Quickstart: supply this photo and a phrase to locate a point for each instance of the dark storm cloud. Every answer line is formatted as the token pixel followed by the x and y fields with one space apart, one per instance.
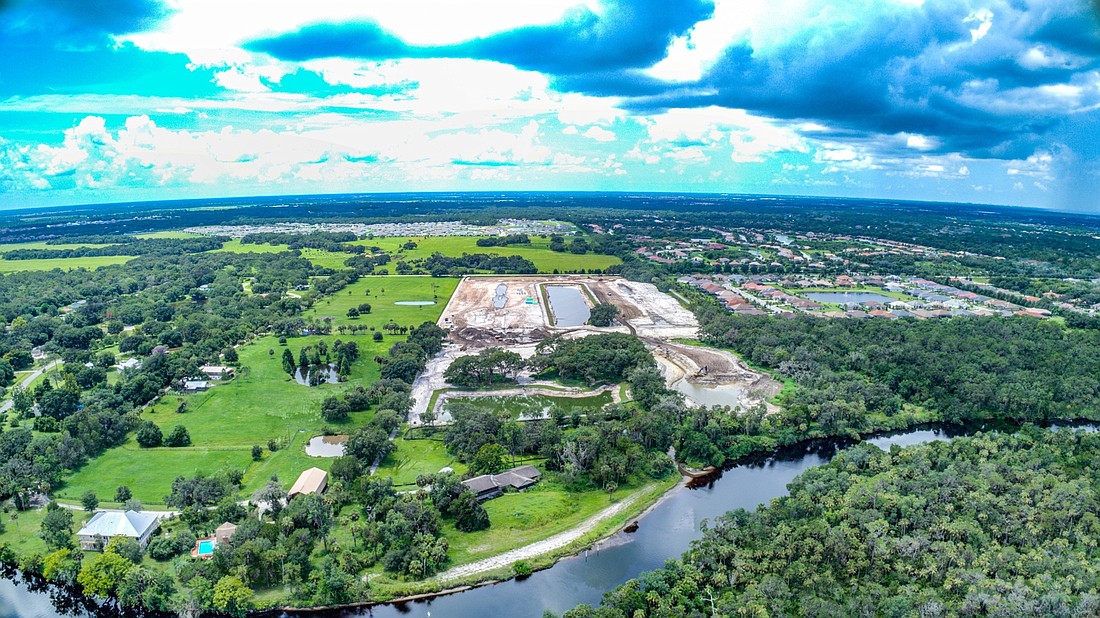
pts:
pixel 915 72
pixel 888 71
pixel 64 46
pixel 629 35
pixel 87 18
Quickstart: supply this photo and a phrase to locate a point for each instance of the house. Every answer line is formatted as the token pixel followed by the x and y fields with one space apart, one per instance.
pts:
pixel 489 486
pixel 132 363
pixel 216 372
pixel 483 487
pixel 312 481
pixel 224 532
pixel 195 386
pixel 106 525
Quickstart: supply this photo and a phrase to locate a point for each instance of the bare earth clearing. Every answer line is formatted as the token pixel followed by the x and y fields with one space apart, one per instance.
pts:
pixel 655 317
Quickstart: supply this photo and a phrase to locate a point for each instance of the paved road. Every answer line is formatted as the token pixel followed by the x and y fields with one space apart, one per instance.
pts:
pixel 7 405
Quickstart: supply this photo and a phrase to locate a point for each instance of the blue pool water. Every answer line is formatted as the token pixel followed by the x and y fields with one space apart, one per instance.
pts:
pixel 206 547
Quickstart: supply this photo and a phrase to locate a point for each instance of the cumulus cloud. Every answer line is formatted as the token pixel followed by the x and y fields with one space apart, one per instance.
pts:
pixel 142 154
pixel 599 134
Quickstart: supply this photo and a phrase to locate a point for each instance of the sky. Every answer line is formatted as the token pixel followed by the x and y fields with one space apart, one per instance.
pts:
pixel 972 101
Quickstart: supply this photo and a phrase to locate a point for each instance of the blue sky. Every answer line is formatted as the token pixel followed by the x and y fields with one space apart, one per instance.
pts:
pixel 994 101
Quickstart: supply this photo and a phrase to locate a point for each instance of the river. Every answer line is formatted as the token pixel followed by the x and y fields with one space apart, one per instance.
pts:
pixel 665 532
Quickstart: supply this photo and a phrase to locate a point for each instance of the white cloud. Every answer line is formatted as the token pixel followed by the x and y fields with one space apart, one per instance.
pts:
pixel 238 80
pixel 600 135
pixel 984 20
pixel 210 32
pixel 142 154
pixel 920 142
pixel 1038 165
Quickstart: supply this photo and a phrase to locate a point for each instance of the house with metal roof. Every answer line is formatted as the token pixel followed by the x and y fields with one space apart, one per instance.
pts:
pixel 312 481
pixel 489 486
pixel 106 525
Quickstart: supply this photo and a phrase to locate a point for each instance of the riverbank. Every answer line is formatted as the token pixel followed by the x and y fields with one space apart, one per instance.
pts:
pixel 539 555
pixel 667 528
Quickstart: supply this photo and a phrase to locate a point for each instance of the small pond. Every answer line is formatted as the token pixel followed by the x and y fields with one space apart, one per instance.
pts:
pixel 327 375
pixel 701 395
pixel 783 239
pixel 847 297
pixel 326 446
pixel 527 407
pixel 567 305
pixel 415 303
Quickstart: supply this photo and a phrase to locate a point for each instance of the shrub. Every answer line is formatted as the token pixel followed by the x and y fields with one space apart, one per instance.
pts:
pixel 178 437
pixel 149 435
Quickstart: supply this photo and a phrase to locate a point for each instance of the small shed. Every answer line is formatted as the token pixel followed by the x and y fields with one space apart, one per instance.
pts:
pixel 224 532
pixel 312 481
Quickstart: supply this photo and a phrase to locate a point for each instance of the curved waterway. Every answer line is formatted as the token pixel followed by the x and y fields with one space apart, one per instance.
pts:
pixel 665 532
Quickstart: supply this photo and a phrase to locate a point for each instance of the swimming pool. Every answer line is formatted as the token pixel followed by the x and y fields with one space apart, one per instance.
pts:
pixel 206 547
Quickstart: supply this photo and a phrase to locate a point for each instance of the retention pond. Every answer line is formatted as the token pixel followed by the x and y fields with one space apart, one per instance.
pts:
pixel 567 305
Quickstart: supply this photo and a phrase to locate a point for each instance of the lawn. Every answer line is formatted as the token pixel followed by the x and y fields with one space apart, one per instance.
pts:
pixel 262 404
pixel 90 263
pixel 414 457
pixel 538 252
pixel 381 293
pixel 21 531
pixel 544 510
pixel 328 259
pixel 235 246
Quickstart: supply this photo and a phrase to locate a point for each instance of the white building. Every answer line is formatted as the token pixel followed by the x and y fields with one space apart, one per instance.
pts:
pixel 106 525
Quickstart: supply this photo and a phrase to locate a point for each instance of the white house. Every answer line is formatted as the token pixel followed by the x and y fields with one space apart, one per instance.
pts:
pixel 216 372
pixel 106 525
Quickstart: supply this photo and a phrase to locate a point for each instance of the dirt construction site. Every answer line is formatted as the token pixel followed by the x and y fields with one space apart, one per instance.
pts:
pixel 513 312
pixel 481 313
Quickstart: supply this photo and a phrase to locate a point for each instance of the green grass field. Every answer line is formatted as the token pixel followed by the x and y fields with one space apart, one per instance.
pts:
pixel 90 263
pixel 384 292
pixel 225 422
pixel 21 531
pixel 414 457
pixel 327 259
pixel 546 509
pixel 538 252
pixel 235 246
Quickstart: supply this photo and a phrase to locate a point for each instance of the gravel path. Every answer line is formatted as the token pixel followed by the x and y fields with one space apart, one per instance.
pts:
pixel 7 405
pixel 539 548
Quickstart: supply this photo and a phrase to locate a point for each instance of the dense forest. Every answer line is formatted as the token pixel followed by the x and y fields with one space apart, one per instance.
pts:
pixel 856 376
pixel 157 246
pixel 989 525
